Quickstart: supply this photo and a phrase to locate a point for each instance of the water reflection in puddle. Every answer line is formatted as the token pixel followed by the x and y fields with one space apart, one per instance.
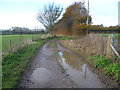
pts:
pixel 78 70
pixel 41 75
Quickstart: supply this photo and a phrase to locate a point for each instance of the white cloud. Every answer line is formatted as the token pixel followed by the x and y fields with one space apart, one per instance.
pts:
pixel 104 12
pixel 19 19
pixel 105 20
pixel 56 1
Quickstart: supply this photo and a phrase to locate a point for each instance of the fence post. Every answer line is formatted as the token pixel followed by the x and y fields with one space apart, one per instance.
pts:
pixel 109 50
pixel 115 51
pixel 85 73
pixel 102 47
pixel 32 38
pixel 10 43
pixel 113 40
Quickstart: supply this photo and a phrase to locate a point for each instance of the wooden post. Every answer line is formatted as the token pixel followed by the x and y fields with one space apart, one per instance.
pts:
pixel 109 51
pixel 113 40
pixel 10 43
pixel 115 51
pixel 85 71
pixel 32 38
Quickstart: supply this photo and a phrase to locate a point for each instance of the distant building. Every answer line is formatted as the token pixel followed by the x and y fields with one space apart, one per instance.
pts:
pixel 119 13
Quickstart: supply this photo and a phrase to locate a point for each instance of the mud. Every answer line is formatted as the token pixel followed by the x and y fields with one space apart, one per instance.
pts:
pixel 79 72
pixel 46 70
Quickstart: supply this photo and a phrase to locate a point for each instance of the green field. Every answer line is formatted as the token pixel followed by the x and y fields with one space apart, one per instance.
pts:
pixel 117 35
pixel 16 40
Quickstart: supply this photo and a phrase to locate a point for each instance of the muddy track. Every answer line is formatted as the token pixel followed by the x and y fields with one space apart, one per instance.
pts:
pixel 56 67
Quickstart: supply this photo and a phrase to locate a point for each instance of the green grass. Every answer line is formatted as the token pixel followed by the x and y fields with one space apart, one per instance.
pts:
pixel 52 44
pixel 16 40
pixel 112 69
pixel 49 38
pixel 14 64
pixel 66 38
pixel 117 35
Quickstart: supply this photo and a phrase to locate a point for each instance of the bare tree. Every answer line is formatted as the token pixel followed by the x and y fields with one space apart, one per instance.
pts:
pixel 49 16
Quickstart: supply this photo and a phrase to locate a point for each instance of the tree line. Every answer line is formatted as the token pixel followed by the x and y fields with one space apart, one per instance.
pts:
pixel 22 30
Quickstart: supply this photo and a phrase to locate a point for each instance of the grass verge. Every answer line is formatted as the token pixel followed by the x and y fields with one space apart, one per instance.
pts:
pixel 110 68
pixel 14 64
pixel 66 38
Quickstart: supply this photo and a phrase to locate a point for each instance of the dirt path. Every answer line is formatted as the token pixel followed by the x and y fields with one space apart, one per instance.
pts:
pixel 56 67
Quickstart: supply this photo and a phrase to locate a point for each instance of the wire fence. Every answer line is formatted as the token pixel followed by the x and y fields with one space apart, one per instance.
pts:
pixel 11 43
pixel 106 44
pixel 113 47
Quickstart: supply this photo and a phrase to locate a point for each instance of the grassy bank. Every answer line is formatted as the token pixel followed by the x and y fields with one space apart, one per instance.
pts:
pixel 14 64
pixel 108 67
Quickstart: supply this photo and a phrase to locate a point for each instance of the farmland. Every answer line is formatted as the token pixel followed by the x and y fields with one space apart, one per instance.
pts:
pixel 17 40
pixel 117 35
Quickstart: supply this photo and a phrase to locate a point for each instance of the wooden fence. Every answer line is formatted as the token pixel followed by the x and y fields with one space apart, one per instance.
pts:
pixel 111 50
pixel 115 51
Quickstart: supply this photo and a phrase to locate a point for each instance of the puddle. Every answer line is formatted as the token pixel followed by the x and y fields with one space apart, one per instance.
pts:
pixel 78 70
pixel 41 75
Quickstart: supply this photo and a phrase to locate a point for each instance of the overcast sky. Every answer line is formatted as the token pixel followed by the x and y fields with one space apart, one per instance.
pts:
pixel 23 13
